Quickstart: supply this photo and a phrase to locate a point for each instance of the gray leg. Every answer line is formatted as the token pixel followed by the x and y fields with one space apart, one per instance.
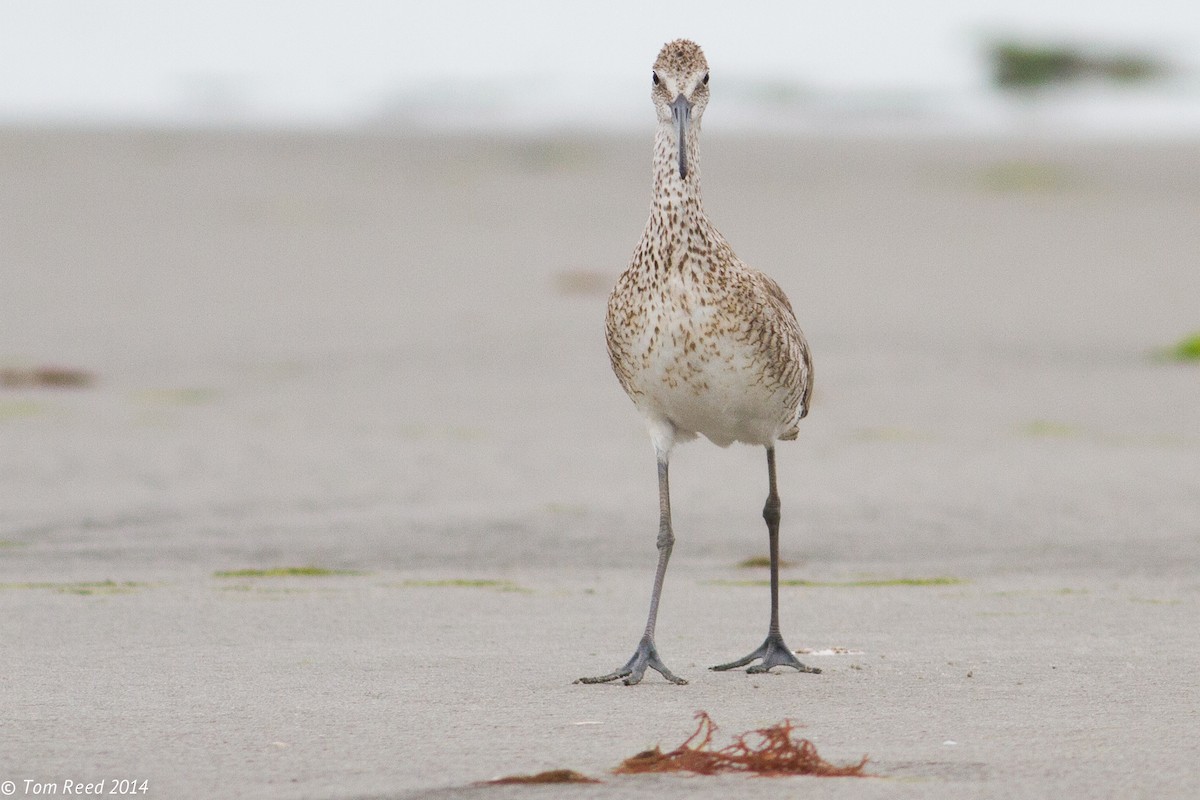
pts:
pixel 773 651
pixel 646 655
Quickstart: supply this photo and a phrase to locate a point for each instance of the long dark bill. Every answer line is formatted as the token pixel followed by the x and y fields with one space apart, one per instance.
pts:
pixel 681 109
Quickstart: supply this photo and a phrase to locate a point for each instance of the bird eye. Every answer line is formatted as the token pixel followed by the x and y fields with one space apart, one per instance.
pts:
pixel 654 76
pixel 705 81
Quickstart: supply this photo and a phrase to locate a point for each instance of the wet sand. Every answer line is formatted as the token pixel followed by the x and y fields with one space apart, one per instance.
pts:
pixel 383 356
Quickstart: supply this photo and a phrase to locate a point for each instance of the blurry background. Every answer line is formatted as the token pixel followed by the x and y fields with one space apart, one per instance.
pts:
pixel 537 63
pixel 321 284
pixel 332 269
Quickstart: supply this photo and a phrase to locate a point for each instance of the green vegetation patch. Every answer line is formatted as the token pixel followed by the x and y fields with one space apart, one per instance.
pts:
pixel 1188 349
pixel 276 591
pixel 1154 601
pixel 184 396
pixel 755 562
pixel 871 584
pixel 19 409
pixel 82 587
pixel 284 572
pixel 1024 176
pixel 1026 66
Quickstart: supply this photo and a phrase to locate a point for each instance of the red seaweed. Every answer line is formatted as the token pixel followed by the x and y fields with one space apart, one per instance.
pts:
pixel 769 752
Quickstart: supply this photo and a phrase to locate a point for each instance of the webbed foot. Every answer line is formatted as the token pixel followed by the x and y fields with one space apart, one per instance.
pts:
pixel 645 656
pixel 774 653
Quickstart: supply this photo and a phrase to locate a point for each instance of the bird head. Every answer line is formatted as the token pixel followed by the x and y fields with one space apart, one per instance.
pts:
pixel 679 89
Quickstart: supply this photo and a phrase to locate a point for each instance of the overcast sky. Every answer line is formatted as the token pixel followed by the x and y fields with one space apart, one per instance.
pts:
pixel 341 60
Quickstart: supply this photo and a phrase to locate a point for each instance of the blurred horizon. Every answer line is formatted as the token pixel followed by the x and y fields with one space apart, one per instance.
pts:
pixel 532 66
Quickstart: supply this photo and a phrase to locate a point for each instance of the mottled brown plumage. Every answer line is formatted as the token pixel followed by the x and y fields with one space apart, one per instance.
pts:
pixel 701 342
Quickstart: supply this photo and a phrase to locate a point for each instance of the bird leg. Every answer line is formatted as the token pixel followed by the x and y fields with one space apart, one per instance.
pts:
pixel 646 655
pixel 773 651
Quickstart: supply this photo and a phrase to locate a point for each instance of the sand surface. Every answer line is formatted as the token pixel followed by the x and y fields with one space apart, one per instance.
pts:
pixel 383 355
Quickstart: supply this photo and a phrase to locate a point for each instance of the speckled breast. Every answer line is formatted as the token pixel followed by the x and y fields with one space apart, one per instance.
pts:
pixel 692 355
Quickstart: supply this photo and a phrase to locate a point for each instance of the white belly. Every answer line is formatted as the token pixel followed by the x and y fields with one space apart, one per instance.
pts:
pixel 715 389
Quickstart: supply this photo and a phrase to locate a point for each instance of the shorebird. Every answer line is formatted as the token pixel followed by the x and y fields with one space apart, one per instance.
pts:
pixel 701 342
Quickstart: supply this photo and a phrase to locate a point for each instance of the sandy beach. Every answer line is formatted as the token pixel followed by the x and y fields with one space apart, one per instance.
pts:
pixel 381 357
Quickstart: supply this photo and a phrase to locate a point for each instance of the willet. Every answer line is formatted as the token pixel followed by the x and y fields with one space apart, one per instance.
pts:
pixel 701 342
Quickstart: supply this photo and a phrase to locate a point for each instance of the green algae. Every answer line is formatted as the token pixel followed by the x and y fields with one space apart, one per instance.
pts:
pixel 1026 177
pixel 756 562
pixel 866 584
pixel 1187 349
pixel 284 572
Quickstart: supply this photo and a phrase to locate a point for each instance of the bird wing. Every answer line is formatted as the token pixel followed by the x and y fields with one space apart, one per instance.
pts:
pixel 792 340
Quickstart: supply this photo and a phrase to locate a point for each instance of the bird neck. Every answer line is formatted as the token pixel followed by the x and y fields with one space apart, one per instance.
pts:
pixel 675 196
